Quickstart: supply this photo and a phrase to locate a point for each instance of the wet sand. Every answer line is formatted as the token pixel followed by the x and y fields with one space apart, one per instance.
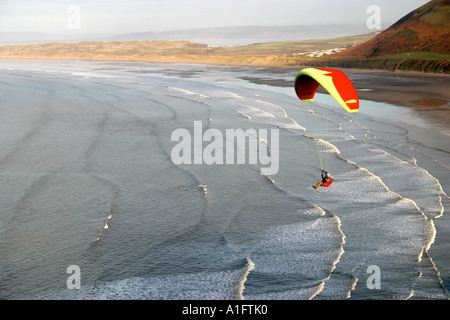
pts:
pixel 410 89
pixel 428 94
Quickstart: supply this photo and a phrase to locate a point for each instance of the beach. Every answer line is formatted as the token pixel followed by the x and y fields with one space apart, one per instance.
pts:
pixel 123 170
pixel 425 93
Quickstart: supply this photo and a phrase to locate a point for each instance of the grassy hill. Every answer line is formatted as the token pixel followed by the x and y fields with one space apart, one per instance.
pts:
pixel 418 41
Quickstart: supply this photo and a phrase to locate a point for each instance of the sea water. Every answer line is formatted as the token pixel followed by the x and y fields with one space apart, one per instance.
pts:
pixel 87 179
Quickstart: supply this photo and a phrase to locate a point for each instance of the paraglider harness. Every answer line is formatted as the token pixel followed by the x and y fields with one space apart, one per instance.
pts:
pixel 326 179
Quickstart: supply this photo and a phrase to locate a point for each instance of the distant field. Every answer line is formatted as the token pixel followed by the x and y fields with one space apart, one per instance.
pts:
pixel 317 52
pixel 293 47
pixel 270 53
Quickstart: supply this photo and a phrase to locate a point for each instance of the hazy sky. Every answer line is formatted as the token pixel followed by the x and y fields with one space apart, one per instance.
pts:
pixel 114 16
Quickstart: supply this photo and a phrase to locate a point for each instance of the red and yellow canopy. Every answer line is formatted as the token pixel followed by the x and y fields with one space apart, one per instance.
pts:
pixel 334 81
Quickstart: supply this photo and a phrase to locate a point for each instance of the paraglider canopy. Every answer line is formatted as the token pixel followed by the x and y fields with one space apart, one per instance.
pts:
pixel 334 81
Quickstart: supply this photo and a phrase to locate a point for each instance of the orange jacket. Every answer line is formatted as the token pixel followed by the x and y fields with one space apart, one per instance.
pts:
pixel 328 183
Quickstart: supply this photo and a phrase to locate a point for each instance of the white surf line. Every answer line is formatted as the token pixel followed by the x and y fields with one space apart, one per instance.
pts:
pixel 403 146
pixel 432 228
pixel 411 294
pixel 381 146
pixel 295 125
pixel 355 280
pixel 338 124
pixel 203 103
pixel 415 165
pixel 441 282
pixel 331 146
pixel 321 211
pixel 265 113
pixel 105 226
pixel 433 266
pixel 115 191
pixel 399 144
pixel 205 189
pixel 245 115
pixel 366 130
pixel 432 237
pixel 400 197
pixel 442 206
pixel 426 173
pixel 426 252
pixel 269 179
pixel 188 92
pixel 414 160
pixel 430 220
pixel 431 158
pixel 285 115
pixel 321 286
pixel 113 207
pixel 249 266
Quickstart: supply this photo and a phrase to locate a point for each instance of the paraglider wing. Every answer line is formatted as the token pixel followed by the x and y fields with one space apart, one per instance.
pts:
pixel 334 81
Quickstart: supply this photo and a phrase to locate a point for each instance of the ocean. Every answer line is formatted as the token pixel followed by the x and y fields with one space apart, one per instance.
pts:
pixel 118 182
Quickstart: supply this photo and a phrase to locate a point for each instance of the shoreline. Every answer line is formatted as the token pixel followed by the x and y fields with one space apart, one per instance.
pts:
pixel 68 123
pixel 425 93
